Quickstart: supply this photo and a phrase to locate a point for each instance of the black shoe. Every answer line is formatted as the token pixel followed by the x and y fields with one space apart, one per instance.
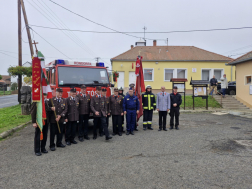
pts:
pixel 74 142
pixel 81 139
pixel 150 128
pixel 113 134
pixel 86 137
pixel 132 133
pixel 171 128
pixel 144 128
pixel 109 137
pixel 176 128
pixel 61 145
pixel 38 154
pixel 120 134
pixel 159 129
pixel 68 143
pixel 127 133
pixel 165 129
pixel 94 137
pixel 123 131
pixel 136 129
pixel 44 151
pixel 52 149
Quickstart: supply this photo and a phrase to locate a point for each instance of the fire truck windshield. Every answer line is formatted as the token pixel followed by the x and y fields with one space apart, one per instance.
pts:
pixel 75 76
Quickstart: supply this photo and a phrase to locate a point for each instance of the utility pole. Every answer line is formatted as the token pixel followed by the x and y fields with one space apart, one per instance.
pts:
pixel 27 27
pixel 97 59
pixel 19 49
pixel 144 32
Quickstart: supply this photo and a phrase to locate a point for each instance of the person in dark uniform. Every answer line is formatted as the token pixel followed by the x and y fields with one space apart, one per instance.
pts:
pixel 104 93
pixel 176 101
pixel 120 92
pixel 116 109
pixel 84 100
pixel 58 105
pixel 72 117
pixel 149 104
pixel 99 108
pixel 39 146
pixel 130 108
pixel 132 86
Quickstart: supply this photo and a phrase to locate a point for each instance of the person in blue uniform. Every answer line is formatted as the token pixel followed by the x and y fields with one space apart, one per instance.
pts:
pixel 130 108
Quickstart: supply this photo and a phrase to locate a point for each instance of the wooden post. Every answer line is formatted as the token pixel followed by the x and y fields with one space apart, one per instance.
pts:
pixel 27 28
pixel 184 93
pixel 193 97
pixel 19 49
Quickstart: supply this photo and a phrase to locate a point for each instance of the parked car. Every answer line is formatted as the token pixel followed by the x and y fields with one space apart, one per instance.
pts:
pixel 231 90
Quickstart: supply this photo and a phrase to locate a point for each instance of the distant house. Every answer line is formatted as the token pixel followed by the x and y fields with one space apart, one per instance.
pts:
pixel 27 64
pixel 243 78
pixel 7 80
pixel 161 63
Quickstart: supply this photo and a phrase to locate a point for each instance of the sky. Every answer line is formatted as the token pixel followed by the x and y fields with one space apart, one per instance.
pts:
pixel 123 16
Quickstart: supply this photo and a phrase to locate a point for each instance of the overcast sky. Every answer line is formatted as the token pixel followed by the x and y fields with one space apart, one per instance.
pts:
pixel 127 15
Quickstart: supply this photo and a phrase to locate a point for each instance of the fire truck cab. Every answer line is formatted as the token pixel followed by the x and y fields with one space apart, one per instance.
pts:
pixel 68 74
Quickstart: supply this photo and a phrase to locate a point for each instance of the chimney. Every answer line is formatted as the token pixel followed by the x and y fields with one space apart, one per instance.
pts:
pixel 132 46
pixel 154 43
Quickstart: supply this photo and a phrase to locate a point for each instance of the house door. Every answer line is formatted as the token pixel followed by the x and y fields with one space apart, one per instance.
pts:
pixel 132 77
pixel 120 80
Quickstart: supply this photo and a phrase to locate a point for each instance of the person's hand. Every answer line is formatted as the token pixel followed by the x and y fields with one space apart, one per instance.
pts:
pixel 168 110
pixel 157 109
pixel 106 116
pixel 97 113
pixel 53 108
pixel 121 114
pixel 66 120
pixel 174 105
pixel 108 113
pixel 137 111
pixel 58 118
pixel 35 125
pixel 125 112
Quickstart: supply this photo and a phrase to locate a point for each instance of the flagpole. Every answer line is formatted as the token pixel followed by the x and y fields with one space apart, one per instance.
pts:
pixel 55 115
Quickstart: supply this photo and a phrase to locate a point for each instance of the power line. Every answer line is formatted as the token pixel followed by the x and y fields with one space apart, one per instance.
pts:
pixel 12 52
pixel 50 43
pixel 181 31
pixel 237 49
pixel 95 22
pixel 8 55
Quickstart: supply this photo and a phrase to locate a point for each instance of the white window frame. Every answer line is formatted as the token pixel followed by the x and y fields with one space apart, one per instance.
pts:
pixel 211 72
pixel 152 79
pixel 245 80
pixel 175 72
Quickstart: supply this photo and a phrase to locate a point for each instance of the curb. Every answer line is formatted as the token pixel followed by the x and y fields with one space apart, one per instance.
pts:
pixel 9 132
pixel 193 111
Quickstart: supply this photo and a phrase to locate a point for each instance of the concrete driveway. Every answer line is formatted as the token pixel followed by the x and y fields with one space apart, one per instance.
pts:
pixel 202 154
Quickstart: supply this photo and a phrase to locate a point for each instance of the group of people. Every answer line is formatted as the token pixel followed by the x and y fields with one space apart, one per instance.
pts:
pixel 68 114
pixel 214 83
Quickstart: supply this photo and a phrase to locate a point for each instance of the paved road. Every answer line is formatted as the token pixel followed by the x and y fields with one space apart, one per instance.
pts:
pixel 9 100
pixel 202 154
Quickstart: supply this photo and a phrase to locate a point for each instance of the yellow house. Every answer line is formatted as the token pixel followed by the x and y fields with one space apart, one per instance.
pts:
pixel 161 63
pixel 243 78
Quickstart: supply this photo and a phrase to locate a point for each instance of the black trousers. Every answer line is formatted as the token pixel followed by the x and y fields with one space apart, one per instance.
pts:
pixel 70 131
pixel 117 124
pixel 55 131
pixel 174 112
pixel 147 118
pixel 40 144
pixel 83 125
pixel 122 121
pixel 162 119
pixel 103 125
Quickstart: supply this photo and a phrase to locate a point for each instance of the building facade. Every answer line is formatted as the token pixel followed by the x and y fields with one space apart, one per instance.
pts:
pixel 161 63
pixel 243 78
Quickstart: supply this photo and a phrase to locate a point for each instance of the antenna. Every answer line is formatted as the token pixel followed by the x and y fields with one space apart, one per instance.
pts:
pixel 144 28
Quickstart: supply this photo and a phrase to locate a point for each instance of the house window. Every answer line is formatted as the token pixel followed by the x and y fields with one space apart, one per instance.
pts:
pixel 218 74
pixel 248 80
pixel 205 74
pixel 181 73
pixel 168 74
pixel 148 74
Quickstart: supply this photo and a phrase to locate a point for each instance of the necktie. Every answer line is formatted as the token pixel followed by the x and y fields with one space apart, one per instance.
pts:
pixel 163 93
pixel 58 100
pixel 115 97
pixel 74 100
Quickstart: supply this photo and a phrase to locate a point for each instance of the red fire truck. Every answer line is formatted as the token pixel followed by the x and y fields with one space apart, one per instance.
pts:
pixel 68 74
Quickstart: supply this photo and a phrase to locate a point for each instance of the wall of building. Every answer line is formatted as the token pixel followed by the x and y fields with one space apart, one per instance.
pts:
pixel 242 90
pixel 159 73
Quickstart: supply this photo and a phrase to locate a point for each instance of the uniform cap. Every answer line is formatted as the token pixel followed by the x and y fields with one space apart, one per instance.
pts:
pixel 104 90
pixel 98 88
pixel 130 89
pixel 73 90
pixel 59 90
pixel 120 89
pixel 148 87
pixel 175 87
pixel 115 89
pixel 83 86
pixel 132 85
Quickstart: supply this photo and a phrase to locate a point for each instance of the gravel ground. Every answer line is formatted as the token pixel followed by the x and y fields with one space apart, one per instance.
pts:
pixel 202 154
